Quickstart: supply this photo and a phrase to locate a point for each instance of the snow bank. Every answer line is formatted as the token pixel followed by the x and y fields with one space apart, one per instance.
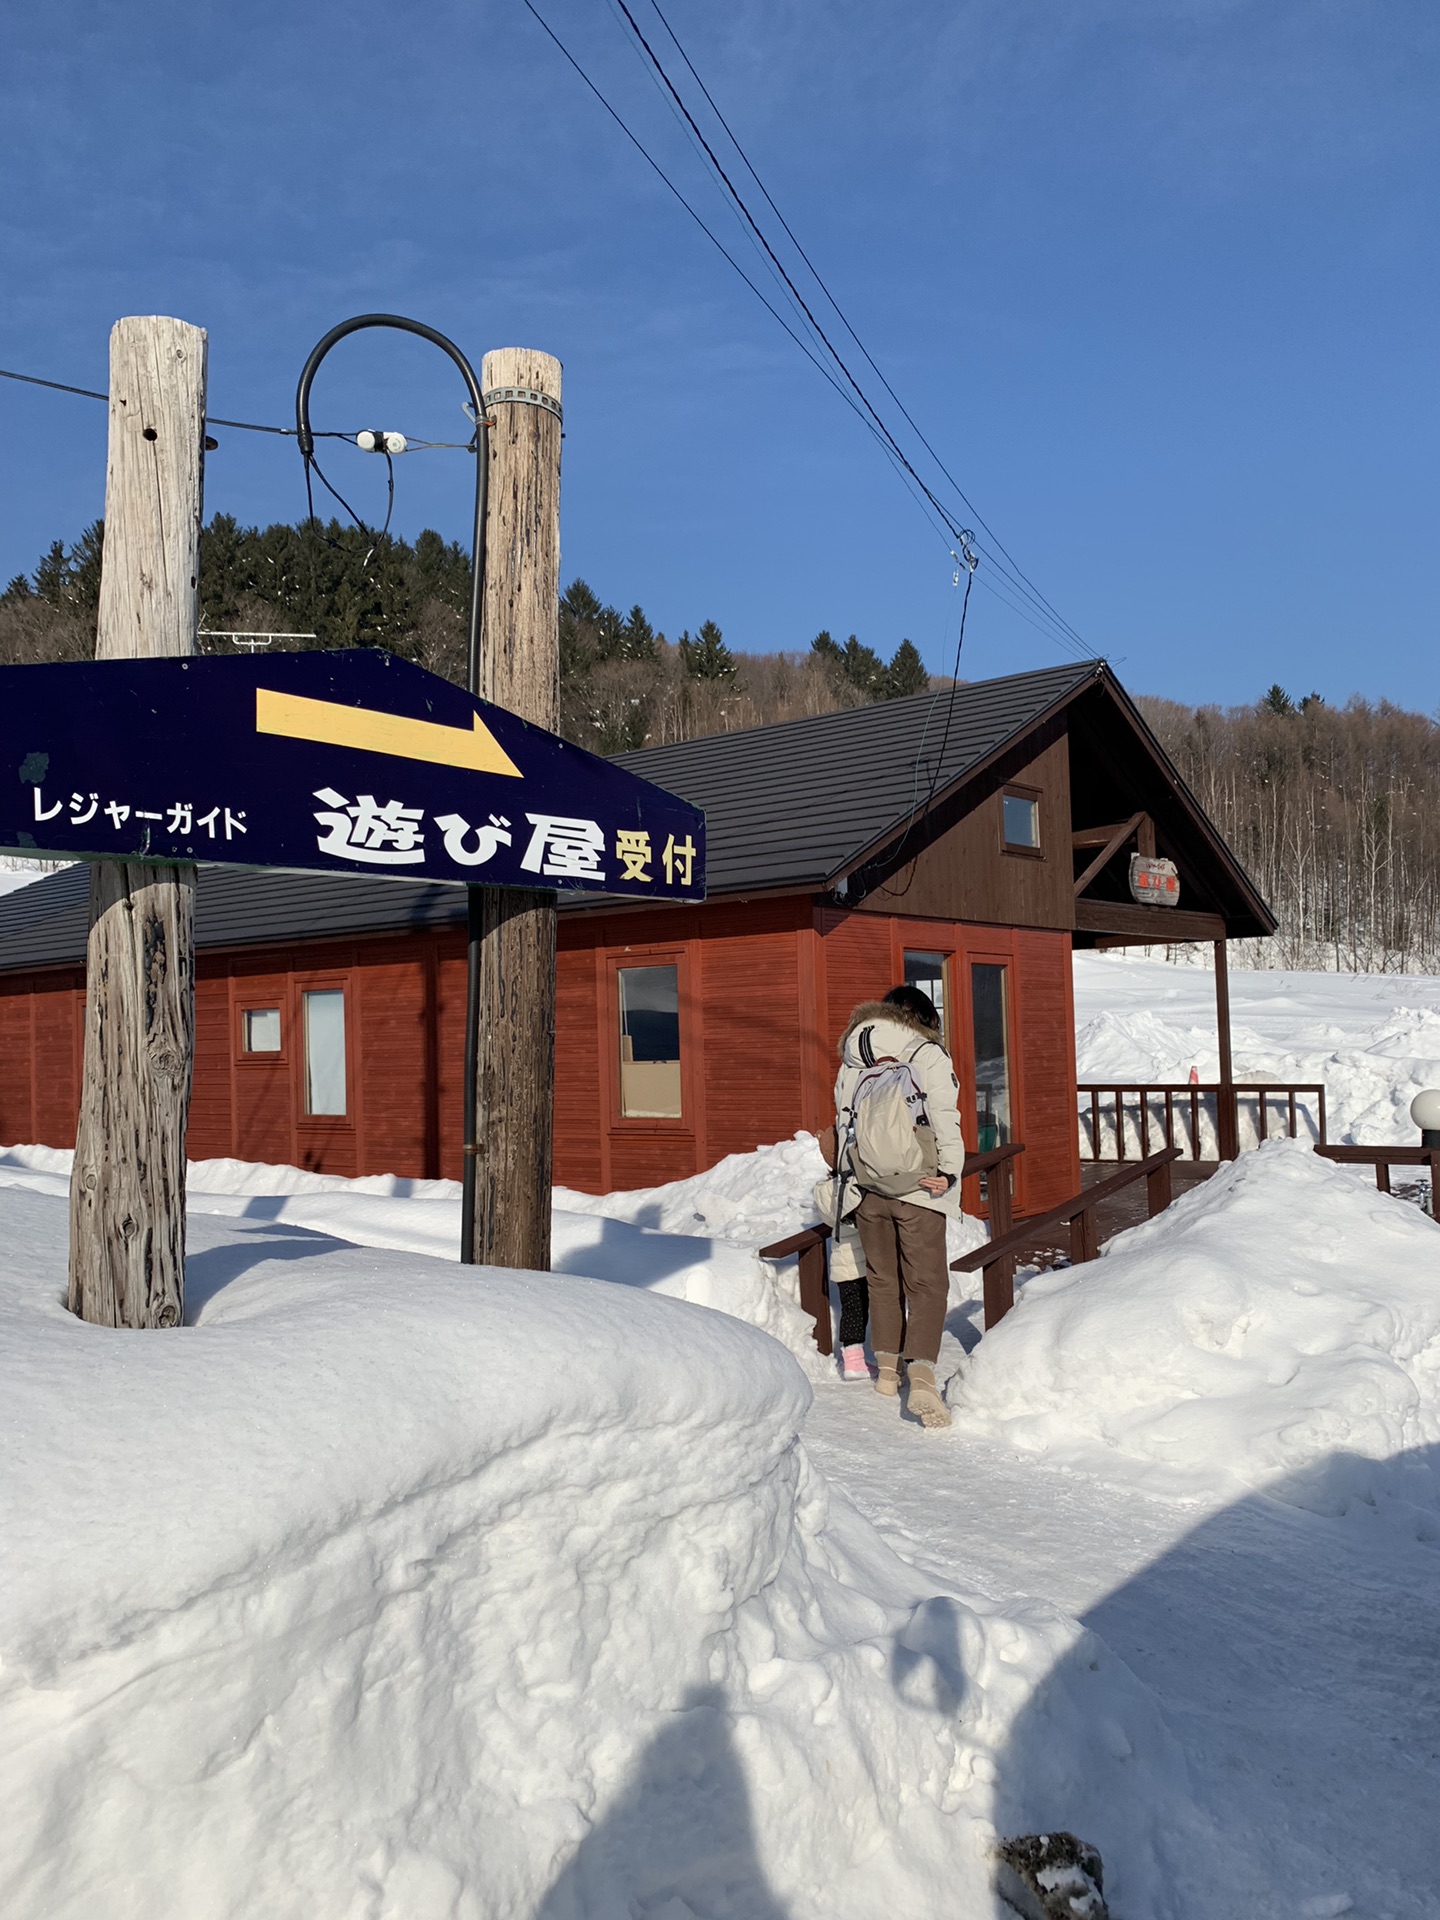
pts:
pixel 750 1198
pixel 600 1239
pixel 390 1589
pixel 1280 1324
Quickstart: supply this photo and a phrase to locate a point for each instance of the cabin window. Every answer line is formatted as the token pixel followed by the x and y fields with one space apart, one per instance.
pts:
pixel 260 1029
pixel 649 1042
pixel 325 1052
pixel 927 972
pixel 992 1056
pixel 1022 821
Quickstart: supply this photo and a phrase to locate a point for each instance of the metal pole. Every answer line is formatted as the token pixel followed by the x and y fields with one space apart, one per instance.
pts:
pixel 474 917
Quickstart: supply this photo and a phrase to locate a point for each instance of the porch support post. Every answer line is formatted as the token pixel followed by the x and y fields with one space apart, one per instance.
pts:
pixel 1227 1124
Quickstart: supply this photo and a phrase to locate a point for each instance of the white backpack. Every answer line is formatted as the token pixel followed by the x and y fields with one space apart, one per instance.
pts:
pixel 888 1141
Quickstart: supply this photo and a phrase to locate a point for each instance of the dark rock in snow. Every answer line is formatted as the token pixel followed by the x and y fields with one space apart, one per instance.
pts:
pixel 1051 1876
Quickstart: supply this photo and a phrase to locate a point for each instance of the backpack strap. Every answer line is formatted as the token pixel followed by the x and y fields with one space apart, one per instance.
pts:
pixel 867 1051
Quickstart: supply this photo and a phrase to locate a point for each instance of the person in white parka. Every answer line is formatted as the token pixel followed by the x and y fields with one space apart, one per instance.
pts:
pixel 903 1235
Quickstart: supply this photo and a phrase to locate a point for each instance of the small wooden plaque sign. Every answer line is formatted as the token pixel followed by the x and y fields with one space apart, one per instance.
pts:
pixel 1154 883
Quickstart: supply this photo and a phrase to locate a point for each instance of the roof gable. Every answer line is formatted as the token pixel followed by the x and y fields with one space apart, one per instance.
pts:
pixel 793 805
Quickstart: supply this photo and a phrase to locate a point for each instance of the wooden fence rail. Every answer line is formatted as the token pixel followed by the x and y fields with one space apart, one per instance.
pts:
pixel 996 1259
pixel 808 1246
pixel 1161 1108
pixel 1383 1158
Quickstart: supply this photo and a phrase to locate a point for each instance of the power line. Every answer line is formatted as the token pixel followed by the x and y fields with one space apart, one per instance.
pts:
pixel 1064 634
pixel 925 499
pixel 708 232
pixel 213 420
pixel 1022 580
pixel 751 222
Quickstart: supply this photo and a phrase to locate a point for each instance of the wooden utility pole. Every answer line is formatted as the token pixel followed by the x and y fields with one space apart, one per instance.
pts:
pixel 520 670
pixel 127 1190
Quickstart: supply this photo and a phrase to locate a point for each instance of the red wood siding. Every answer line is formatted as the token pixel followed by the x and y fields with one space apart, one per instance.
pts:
pixel 579 1013
pixel 1045 1026
pixel 17 1062
pixel 750 1009
pixel 211 1133
pixel 42 1039
pixel 393 1091
pixel 766 989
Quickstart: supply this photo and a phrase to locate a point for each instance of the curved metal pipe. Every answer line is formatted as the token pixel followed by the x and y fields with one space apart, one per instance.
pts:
pixel 474 925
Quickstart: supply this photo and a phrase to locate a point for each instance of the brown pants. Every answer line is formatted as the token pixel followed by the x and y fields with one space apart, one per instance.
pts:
pixel 909 1278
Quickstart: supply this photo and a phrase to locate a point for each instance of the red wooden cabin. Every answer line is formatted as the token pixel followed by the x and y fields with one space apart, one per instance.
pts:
pixel 932 839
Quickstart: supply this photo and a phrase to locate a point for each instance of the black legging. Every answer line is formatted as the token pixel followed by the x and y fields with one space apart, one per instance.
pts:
pixel 854 1311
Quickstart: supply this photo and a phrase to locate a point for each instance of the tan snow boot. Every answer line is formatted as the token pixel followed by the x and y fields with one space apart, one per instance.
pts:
pixel 887 1380
pixel 926 1401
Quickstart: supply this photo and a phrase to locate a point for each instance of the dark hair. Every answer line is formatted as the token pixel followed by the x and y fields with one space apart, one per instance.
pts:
pixel 918 1005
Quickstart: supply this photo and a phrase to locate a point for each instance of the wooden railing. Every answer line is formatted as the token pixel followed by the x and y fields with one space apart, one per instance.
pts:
pixel 996 1259
pixel 1155 1111
pixel 1383 1158
pixel 808 1246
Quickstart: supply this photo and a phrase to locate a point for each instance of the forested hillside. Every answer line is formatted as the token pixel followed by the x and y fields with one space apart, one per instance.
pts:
pixel 622 684
pixel 1336 813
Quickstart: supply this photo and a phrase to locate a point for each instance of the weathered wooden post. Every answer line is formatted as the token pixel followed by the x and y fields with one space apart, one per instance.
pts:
pixel 127 1190
pixel 520 669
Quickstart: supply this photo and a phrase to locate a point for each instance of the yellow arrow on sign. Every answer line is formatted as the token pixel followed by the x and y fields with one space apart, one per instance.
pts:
pixel 334 725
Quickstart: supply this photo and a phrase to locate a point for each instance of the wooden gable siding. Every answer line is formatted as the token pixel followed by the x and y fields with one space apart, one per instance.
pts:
pixel 966 872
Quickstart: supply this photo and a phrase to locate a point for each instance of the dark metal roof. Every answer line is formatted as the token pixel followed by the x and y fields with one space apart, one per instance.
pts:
pixel 46 923
pixel 791 805
pixel 786 806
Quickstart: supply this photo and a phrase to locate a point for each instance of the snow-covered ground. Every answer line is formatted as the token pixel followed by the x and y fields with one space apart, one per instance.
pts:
pixel 1372 1039
pixel 391 1589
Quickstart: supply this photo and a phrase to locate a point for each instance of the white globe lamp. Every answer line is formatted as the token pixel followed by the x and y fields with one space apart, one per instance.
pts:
pixel 1425 1112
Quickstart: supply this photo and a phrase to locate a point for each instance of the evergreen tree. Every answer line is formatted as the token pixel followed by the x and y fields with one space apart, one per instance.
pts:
pixel 69 577
pixel 610 635
pixel 1277 700
pixel 864 668
pixel 639 643
pixel 860 666
pixel 906 673
pixel 706 657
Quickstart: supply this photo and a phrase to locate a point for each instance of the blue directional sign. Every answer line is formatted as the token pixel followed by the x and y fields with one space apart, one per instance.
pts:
pixel 347 762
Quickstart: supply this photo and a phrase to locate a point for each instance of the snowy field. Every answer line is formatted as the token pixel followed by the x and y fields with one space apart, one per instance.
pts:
pixel 1373 1039
pixel 389 1589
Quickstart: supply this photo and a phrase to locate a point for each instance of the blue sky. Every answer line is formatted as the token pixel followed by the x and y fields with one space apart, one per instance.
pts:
pixel 1158 280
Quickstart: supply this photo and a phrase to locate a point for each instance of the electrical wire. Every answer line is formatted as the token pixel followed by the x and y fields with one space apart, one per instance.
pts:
pixel 708 232
pixel 1022 579
pixel 1064 634
pixel 916 810
pixel 245 426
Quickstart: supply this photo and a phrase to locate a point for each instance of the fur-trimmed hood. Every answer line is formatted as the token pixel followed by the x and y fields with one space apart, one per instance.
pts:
pixel 880 1012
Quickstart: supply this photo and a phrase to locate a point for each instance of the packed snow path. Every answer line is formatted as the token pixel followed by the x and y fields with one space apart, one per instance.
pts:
pixel 1296 1658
